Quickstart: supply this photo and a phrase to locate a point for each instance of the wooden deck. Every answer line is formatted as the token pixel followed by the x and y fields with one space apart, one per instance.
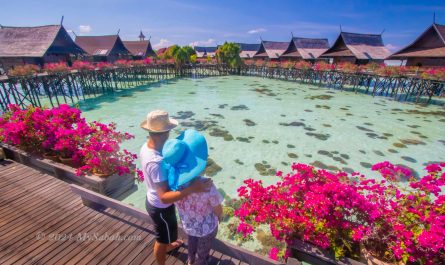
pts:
pixel 43 222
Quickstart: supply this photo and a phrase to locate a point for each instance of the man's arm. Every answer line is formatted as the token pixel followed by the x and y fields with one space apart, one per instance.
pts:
pixel 168 196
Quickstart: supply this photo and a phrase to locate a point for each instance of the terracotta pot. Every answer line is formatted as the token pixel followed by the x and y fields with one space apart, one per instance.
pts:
pixel 370 259
pixel 67 161
pixel 102 175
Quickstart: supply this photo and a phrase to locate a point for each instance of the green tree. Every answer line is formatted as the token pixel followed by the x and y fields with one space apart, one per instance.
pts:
pixel 193 58
pixel 228 54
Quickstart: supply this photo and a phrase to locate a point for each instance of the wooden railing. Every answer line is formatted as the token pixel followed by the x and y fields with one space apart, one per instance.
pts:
pixel 71 87
pixel 97 201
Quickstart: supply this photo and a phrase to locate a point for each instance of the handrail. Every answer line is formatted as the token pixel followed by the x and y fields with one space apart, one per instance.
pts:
pixel 97 201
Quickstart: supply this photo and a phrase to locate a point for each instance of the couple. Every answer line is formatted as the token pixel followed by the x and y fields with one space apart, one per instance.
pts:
pixel 172 171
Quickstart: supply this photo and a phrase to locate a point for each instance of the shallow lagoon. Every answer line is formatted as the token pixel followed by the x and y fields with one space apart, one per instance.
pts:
pixel 255 126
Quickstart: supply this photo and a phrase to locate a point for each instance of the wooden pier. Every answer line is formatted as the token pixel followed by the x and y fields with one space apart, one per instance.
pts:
pixel 43 220
pixel 71 87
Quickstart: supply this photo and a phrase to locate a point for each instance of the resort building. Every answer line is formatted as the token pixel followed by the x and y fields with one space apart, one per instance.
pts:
pixel 271 50
pixel 247 51
pixel 108 48
pixel 36 45
pixel 357 48
pixel 140 49
pixel 427 50
pixel 204 52
pixel 305 49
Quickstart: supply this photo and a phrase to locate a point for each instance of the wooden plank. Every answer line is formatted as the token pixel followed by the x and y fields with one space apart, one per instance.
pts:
pixel 90 252
pixel 57 253
pixel 31 234
pixel 89 245
pixel 27 197
pixel 103 249
pixel 98 200
pixel 17 218
pixel 67 228
pixel 126 246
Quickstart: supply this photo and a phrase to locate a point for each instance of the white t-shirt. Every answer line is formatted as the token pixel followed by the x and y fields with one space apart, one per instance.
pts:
pixel 151 167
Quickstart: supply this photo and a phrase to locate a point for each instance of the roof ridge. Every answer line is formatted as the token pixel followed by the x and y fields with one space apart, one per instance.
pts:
pixel 27 27
pixel 372 34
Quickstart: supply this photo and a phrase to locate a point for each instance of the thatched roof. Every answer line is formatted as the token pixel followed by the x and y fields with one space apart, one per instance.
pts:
pixel 101 45
pixel 36 41
pixel 271 49
pixel 248 50
pixel 306 48
pixel 205 51
pixel 431 43
pixel 360 46
pixel 140 48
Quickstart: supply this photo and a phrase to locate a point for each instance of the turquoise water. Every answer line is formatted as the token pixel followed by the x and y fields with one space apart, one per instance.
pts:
pixel 254 126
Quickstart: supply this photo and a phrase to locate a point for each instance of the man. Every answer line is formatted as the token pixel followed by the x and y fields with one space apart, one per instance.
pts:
pixel 160 199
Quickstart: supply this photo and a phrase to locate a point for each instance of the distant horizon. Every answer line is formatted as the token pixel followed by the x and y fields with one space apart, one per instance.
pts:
pixel 205 23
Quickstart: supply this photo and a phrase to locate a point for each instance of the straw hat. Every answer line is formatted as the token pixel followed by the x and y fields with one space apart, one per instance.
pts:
pixel 158 121
pixel 184 158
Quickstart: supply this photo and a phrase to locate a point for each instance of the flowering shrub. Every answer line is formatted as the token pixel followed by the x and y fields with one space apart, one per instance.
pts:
pixel 104 66
pixel 303 65
pixel 337 211
pixel 260 62
pixel 287 64
pixel 272 64
pixel 24 70
pixel 147 61
pixel 94 147
pixel 102 154
pixel 434 73
pixel 54 68
pixel 384 70
pixel 82 66
pixel 22 128
pixel 323 66
pixel 123 63
pixel 348 67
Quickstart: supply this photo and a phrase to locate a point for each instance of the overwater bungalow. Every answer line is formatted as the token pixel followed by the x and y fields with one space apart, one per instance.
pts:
pixel 247 51
pixel 271 50
pixel 141 48
pixel 36 45
pixel 108 48
pixel 427 50
pixel 308 49
pixel 204 52
pixel 357 48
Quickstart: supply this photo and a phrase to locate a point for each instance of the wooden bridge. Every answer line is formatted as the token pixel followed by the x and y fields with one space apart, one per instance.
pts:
pixel 44 220
pixel 70 87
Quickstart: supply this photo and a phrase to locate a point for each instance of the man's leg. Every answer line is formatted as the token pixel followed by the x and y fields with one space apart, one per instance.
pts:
pixel 160 251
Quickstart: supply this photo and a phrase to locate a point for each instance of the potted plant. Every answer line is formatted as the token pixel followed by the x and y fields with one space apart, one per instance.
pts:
pixel 102 155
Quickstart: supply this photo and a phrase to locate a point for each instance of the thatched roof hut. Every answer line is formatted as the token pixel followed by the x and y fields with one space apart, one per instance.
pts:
pixel 35 45
pixel 427 50
pixel 305 48
pixel 247 50
pixel 140 49
pixel 271 50
pixel 103 48
pixel 202 52
pixel 357 48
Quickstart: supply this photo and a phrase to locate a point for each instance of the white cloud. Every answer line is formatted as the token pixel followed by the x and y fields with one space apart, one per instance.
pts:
pixel 202 42
pixel 162 43
pixel 85 29
pixel 258 30
pixel 392 48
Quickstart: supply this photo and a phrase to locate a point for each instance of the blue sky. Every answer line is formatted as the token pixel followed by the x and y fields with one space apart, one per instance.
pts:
pixel 213 22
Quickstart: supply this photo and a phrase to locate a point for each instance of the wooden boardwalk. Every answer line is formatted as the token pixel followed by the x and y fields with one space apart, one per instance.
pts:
pixel 43 222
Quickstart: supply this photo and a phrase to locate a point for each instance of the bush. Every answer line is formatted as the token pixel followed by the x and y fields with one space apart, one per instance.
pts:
pixel 337 211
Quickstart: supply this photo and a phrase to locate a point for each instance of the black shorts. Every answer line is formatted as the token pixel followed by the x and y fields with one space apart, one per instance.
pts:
pixel 166 225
